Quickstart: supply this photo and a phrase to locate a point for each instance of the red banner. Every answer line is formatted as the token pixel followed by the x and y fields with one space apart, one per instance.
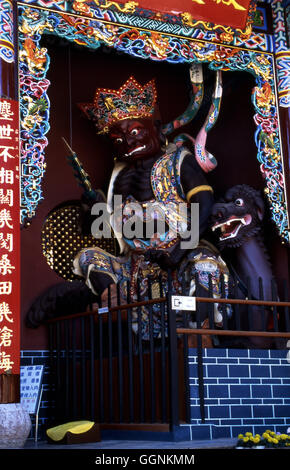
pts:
pixel 232 13
pixel 9 238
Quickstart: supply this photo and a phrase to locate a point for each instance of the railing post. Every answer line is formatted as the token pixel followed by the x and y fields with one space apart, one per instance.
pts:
pixel 173 361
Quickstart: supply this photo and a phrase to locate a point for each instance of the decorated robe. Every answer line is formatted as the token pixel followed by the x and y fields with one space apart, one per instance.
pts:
pixel 132 269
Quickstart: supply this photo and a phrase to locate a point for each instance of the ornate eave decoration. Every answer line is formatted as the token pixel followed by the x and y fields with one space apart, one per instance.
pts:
pixel 147 44
pixel 224 33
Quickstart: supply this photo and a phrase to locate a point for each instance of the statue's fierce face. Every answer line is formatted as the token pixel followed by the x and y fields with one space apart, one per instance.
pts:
pixel 135 139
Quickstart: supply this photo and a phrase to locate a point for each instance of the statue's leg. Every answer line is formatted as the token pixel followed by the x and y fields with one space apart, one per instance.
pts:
pixel 100 269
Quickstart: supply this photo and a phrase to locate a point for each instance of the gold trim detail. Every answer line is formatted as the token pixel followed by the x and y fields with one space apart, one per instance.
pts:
pixel 198 189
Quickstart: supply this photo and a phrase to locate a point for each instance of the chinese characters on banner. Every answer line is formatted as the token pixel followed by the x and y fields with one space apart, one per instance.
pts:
pixel 9 238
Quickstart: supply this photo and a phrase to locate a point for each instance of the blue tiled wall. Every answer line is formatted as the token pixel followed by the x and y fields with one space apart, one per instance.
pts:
pixel 245 390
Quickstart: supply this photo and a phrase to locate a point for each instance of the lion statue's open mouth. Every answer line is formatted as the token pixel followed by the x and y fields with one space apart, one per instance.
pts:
pixel 231 226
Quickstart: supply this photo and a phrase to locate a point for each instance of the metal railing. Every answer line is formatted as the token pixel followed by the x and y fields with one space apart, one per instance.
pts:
pixel 102 369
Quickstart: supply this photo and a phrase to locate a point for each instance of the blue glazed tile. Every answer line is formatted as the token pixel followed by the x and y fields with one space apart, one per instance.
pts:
pixel 282 411
pixel 200 432
pixel 39 361
pixel 26 361
pixel 262 411
pixel 230 401
pixel 194 421
pixel 228 381
pixel 272 421
pixel 252 401
pixel 261 429
pixel 286 401
pixel 32 353
pixel 274 401
pixel 279 353
pixel 209 360
pixel 281 391
pixel 286 381
pixel 250 381
pixel 193 372
pixel 271 381
pixel 192 351
pixel 195 412
pixel 260 371
pixel 227 361
pixel 281 371
pixel 270 361
pixel 210 381
pixel 238 353
pixel 239 371
pixel 211 401
pixel 219 411
pixel 221 432
pixel 240 391
pixel 217 371
pixel 194 392
pixel 213 421
pixel 216 353
pixel 249 361
pixel 241 411
pixel 253 421
pixel 218 391
pixel 260 391
pixel 230 422
pixel 181 433
pixel 259 353
pixel 236 430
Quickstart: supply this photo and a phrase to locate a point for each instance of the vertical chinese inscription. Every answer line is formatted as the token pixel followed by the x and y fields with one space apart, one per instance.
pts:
pixel 9 238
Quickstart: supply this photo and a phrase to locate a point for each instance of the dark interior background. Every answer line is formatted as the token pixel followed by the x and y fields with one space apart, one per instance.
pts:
pixel 75 73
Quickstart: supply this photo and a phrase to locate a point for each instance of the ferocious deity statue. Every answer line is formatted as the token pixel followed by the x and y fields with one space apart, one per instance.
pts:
pixel 159 203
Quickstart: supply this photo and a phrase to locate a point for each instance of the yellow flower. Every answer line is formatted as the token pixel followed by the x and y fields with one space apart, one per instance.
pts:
pixel 248 434
pixel 275 441
pixel 245 439
pixel 240 436
pixel 256 440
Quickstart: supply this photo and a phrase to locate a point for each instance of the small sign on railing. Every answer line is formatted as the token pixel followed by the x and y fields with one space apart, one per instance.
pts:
pixel 183 302
pixel 103 310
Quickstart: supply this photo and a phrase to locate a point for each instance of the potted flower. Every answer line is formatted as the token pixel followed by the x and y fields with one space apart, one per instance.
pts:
pixel 247 441
pixel 273 440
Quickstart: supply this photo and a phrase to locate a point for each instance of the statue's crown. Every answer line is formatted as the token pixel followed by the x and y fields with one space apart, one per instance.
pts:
pixel 131 101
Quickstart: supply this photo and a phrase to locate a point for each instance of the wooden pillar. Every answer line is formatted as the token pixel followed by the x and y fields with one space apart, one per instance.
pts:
pixel 9 209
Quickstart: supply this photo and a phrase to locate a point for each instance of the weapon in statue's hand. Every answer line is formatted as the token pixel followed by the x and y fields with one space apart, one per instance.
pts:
pixel 82 176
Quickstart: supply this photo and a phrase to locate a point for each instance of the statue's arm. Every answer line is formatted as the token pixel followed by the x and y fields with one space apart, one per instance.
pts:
pixel 197 190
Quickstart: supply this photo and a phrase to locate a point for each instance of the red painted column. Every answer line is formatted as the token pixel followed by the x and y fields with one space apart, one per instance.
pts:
pixel 9 211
